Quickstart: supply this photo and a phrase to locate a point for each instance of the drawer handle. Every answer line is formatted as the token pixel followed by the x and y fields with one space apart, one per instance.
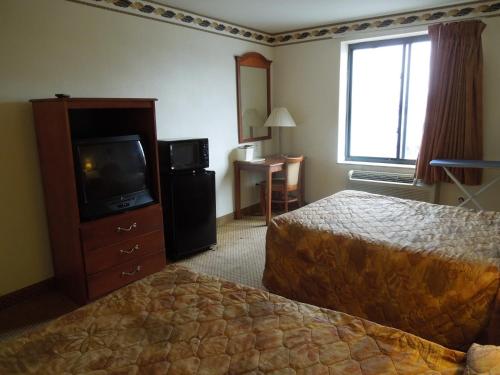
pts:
pixel 132 249
pixel 137 269
pixel 120 229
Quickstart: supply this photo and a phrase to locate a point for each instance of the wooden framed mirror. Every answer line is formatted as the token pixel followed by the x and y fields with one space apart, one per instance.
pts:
pixel 253 77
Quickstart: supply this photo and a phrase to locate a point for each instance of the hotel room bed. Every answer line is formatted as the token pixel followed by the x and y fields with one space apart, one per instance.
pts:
pixel 427 269
pixel 180 322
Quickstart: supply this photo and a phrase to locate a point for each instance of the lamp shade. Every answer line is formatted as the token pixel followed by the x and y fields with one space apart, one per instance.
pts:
pixel 280 117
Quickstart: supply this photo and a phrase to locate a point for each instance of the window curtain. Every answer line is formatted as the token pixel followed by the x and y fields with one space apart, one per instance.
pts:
pixel 453 126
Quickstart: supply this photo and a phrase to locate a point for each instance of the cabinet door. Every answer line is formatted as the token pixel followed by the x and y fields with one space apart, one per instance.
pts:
pixel 192 213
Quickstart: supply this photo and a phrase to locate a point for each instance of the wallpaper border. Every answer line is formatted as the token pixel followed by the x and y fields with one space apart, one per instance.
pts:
pixel 155 11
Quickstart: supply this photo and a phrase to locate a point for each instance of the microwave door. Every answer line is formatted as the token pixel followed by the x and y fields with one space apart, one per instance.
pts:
pixel 184 155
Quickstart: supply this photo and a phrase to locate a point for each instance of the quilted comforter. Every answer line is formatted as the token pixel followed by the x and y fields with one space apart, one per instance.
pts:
pixel 427 269
pixel 180 322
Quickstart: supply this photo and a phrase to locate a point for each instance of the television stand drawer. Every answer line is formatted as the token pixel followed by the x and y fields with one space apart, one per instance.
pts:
pixel 105 257
pixel 121 227
pixel 113 278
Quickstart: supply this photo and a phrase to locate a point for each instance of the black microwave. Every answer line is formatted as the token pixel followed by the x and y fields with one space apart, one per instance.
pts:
pixel 183 154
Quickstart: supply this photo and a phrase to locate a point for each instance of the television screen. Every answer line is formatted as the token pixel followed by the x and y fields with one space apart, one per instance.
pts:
pixel 112 173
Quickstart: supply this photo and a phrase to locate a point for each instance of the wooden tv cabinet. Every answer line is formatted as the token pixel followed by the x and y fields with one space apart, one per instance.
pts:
pixel 93 258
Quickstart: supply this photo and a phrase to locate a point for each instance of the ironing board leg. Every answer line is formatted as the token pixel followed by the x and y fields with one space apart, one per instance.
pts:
pixel 470 197
pixel 491 183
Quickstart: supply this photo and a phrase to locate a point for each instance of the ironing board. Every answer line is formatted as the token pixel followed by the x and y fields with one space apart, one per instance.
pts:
pixel 445 164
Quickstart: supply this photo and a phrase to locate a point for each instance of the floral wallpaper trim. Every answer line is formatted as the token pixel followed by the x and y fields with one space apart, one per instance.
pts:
pixel 424 17
pixel 150 9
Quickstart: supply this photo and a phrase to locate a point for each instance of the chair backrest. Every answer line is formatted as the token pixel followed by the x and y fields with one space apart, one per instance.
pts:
pixel 293 169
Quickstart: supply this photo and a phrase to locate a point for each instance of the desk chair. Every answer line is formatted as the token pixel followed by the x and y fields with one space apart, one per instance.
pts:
pixel 286 188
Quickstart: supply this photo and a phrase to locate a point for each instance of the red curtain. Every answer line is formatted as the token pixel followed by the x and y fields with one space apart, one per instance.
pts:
pixel 453 126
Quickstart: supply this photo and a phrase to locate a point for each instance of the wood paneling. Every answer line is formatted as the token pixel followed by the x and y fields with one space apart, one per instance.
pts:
pixel 57 122
pixel 255 60
pixel 123 274
pixel 26 293
pixel 58 175
pixel 99 259
pixel 121 227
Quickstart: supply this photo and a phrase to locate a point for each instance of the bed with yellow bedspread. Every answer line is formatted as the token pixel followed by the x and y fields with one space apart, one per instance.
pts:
pixel 427 269
pixel 180 322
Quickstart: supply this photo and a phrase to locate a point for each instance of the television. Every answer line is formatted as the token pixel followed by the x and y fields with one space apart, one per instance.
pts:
pixel 112 175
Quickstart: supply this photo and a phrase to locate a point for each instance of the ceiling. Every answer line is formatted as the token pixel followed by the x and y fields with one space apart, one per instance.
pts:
pixel 275 16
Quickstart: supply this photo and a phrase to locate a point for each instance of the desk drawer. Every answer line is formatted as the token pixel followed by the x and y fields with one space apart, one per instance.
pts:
pixel 118 228
pixel 106 281
pixel 105 257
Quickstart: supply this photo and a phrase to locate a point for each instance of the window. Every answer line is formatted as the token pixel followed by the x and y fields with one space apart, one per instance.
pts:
pixel 386 99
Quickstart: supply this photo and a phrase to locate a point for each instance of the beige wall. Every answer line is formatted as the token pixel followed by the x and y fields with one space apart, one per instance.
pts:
pixel 55 46
pixel 312 96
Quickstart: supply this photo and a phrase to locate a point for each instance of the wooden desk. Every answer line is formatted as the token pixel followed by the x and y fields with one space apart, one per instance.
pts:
pixel 271 164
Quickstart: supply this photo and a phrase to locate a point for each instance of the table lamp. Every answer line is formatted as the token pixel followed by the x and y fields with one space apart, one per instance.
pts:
pixel 280 118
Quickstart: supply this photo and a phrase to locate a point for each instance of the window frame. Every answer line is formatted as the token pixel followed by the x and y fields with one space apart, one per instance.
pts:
pixel 403 97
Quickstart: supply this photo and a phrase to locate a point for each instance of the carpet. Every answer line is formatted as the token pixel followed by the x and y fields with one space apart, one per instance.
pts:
pixel 239 255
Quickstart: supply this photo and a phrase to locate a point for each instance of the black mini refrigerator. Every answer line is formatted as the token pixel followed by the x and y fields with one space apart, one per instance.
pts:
pixel 188 201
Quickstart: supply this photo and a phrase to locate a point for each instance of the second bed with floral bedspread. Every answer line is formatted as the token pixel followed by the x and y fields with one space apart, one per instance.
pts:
pixel 427 269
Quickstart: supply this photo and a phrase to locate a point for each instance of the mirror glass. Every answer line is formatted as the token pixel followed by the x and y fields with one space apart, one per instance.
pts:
pixel 253 102
pixel 253 72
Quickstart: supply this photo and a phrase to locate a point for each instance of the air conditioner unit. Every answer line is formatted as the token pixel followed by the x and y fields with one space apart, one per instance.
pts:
pixel 393 184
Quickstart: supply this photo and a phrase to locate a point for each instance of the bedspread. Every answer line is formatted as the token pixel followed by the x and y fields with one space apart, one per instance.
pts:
pixel 180 322
pixel 427 269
